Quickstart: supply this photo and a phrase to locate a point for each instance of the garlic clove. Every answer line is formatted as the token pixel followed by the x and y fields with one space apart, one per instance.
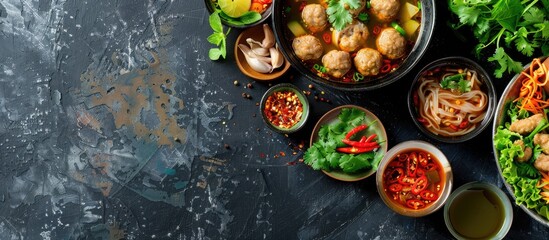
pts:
pixel 257 48
pixel 257 63
pixel 268 41
pixel 276 57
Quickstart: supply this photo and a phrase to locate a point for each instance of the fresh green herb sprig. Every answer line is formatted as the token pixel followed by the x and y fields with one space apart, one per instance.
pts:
pixel 510 25
pixel 338 12
pixel 218 37
pixel 456 82
pixel 323 155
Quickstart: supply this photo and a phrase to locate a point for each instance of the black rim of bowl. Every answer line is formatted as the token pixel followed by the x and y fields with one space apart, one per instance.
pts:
pixel 266 14
pixel 499 116
pixel 302 98
pixel 484 76
pixel 426 30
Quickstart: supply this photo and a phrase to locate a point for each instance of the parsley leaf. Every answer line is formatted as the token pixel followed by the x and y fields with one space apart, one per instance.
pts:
pixel 506 63
pixel 338 12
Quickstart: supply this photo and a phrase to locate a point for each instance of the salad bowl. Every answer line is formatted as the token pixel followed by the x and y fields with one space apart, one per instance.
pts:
pixel 530 200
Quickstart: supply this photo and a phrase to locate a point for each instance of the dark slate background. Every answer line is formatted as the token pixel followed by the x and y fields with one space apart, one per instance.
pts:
pixel 68 171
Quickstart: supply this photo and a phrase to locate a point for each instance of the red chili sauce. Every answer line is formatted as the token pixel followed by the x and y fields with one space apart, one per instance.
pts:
pixel 414 179
pixel 283 109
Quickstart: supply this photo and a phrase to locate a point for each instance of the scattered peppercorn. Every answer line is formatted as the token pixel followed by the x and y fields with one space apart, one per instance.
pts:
pixel 311 86
pixel 257 104
pixel 226 146
pixel 236 83
pixel 249 85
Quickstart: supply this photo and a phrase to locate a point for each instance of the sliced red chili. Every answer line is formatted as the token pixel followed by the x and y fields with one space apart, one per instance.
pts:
pixel 355 130
pixel 420 172
pixel 463 124
pixel 430 166
pixel 405 180
pixel 377 30
pixel 428 195
pixel 411 165
pixel 423 160
pixel 363 139
pixel 395 175
pixel 422 120
pixel 455 128
pixel 420 184
pixel 398 164
pixel 327 37
pixel 385 68
pixel 395 187
pixel 415 204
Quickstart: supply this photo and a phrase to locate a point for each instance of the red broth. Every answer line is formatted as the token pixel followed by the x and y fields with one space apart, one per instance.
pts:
pixel 414 179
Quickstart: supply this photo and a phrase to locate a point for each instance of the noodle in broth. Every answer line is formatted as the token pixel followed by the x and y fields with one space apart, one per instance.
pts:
pixel 448 112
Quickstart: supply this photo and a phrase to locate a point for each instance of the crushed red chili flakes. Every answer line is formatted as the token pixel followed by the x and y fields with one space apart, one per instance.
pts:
pixel 283 109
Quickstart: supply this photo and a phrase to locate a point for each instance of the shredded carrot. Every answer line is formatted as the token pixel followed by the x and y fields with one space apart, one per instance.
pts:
pixel 531 91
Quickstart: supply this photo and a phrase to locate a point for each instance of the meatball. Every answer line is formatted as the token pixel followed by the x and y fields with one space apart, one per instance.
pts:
pixel 527 151
pixel 542 163
pixel 385 10
pixel 337 63
pixel 368 61
pixel 314 17
pixel 391 44
pixel 527 125
pixel 307 47
pixel 352 38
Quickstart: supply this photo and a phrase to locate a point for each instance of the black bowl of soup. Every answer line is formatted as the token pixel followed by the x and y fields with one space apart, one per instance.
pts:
pixel 365 46
pixel 452 99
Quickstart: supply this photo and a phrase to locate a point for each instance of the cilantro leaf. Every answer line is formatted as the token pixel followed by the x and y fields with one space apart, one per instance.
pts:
pixel 516 26
pixel 533 15
pixel 338 12
pixel 356 162
pixel 505 61
pixel 507 13
pixel 456 82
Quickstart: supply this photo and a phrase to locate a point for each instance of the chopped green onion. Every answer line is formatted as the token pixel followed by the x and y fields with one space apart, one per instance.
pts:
pixel 358 77
pixel 368 5
pixel 398 28
pixel 364 17
pixel 419 5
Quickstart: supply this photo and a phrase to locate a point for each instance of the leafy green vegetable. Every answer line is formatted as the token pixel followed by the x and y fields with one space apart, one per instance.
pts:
pixel 323 155
pixel 248 18
pixel 523 177
pixel 218 37
pixel 456 82
pixel 510 25
pixel 338 12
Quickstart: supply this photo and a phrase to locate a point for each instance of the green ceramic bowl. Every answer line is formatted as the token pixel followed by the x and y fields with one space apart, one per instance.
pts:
pixel 302 98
